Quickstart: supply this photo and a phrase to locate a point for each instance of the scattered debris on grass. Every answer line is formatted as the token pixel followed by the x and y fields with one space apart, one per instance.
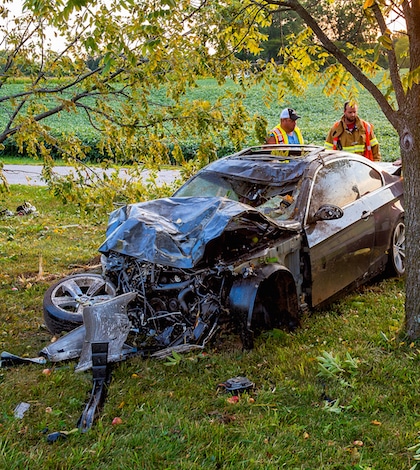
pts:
pixel 23 209
pixel 237 385
pixel 21 409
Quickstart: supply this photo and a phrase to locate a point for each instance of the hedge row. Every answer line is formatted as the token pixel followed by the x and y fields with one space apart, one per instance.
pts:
pixel 93 155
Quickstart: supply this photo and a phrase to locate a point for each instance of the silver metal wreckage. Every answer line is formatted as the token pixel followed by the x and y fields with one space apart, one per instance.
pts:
pixel 168 275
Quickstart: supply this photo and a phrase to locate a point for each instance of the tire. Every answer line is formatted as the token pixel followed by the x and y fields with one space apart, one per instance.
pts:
pixel 396 259
pixel 64 301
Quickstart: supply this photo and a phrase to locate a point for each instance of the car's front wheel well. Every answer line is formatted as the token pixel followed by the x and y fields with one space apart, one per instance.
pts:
pixel 263 302
pixel 276 303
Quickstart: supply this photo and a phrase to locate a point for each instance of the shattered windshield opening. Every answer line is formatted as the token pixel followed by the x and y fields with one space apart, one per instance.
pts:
pixel 276 201
pixel 208 184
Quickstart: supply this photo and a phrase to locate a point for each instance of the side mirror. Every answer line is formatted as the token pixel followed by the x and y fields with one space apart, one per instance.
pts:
pixel 328 212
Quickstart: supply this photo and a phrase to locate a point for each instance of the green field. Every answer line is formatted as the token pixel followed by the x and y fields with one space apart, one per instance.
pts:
pixel 317 111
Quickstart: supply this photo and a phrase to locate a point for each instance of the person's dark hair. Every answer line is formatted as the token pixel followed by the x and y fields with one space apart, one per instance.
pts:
pixel 349 103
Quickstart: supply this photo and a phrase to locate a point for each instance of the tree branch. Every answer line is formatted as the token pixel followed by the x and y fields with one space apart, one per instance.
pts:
pixel 353 69
pixel 392 59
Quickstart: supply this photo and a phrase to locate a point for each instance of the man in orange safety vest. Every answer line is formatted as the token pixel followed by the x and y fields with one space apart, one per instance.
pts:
pixel 353 135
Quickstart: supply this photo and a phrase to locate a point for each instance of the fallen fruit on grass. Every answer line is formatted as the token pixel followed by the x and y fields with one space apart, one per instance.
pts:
pixel 233 399
pixel 116 421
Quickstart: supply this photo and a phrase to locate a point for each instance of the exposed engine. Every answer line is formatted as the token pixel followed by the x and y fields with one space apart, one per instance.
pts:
pixel 174 306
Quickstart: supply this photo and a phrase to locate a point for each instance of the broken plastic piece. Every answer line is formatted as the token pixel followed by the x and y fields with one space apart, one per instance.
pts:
pixel 21 409
pixel 67 347
pixel 25 208
pixel 54 436
pixel 6 213
pixel 106 322
pixel 237 384
pixel 101 372
pixel 8 360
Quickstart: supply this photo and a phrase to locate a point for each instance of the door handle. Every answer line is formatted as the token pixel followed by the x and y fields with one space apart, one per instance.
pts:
pixel 366 215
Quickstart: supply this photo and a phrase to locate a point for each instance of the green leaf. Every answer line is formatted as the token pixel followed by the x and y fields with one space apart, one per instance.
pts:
pixel 91 44
pixel 108 61
pixel 384 336
pixel 385 41
pixel 333 407
pixel 173 360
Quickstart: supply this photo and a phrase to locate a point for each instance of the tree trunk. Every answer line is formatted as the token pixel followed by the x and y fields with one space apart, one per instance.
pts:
pixel 410 145
pixel 410 152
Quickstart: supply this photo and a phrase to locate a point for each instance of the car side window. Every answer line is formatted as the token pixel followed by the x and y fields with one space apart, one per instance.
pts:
pixel 368 179
pixel 342 182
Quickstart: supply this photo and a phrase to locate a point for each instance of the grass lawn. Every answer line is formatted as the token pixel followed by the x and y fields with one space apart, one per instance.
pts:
pixel 360 411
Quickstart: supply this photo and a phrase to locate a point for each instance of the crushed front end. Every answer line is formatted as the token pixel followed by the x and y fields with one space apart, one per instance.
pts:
pixel 175 307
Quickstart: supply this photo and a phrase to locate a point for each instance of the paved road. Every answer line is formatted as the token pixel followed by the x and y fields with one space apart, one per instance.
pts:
pixel 31 174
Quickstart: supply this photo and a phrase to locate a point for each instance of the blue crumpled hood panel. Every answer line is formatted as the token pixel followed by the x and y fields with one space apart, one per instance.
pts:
pixel 175 231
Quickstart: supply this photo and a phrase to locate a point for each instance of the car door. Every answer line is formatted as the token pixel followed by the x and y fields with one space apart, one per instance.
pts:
pixel 339 250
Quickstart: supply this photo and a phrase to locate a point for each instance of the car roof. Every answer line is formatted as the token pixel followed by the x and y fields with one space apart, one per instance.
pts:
pixel 268 163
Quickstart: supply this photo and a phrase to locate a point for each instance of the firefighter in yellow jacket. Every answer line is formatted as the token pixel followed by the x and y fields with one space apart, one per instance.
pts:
pixel 287 132
pixel 353 135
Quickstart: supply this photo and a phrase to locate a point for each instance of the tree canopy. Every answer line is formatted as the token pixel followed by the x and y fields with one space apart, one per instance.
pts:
pixel 126 66
pixel 136 47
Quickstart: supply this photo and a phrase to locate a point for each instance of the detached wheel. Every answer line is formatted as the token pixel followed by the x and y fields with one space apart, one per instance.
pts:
pixel 64 301
pixel 397 250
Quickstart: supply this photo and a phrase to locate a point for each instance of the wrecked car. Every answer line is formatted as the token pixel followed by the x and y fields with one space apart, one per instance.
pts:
pixel 256 237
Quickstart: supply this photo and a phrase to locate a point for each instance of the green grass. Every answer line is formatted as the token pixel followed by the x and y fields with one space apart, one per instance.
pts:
pixel 18 160
pixel 362 416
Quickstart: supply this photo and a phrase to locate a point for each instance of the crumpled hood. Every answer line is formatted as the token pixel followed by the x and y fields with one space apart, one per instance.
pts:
pixel 175 231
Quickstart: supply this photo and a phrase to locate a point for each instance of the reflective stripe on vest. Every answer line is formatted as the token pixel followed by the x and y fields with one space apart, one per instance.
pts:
pixel 368 150
pixel 335 140
pixel 281 136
